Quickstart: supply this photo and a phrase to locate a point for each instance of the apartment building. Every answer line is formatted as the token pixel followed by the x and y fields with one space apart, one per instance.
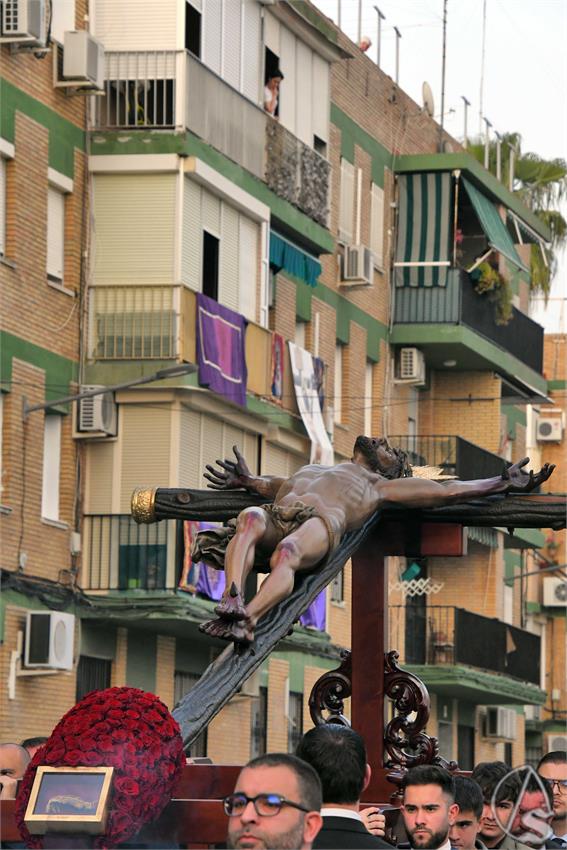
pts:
pixel 303 226
pixel 43 237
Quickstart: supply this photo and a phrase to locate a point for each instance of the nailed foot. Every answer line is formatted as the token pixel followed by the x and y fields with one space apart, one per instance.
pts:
pixel 231 606
pixel 240 633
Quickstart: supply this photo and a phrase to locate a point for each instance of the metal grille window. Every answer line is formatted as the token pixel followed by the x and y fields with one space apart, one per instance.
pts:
pixel 338 588
pixel 93 674
pixel 295 720
pixel 182 684
pixel 259 724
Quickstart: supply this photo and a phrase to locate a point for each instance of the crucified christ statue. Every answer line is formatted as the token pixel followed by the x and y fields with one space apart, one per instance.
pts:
pixel 313 509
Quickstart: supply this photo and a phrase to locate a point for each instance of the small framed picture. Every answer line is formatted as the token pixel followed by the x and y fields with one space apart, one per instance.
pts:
pixel 69 799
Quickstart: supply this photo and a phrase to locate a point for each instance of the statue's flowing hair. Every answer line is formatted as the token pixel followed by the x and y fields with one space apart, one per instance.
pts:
pixel 404 469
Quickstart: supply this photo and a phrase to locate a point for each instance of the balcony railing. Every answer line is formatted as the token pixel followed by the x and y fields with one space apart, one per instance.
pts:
pixel 444 634
pixel 458 304
pixel 172 89
pixel 119 554
pixel 454 455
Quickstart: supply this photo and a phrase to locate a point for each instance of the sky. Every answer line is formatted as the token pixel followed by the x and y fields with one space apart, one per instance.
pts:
pixel 525 75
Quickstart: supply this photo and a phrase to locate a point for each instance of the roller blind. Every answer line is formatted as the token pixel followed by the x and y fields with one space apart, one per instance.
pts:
pixel 346 211
pixel 55 233
pixel 2 206
pixel 288 94
pixel 304 90
pixel 248 273
pixel 231 46
pixel 212 36
pixel 377 225
pixel 51 467
pixel 251 43
pixel 320 98
pixel 229 258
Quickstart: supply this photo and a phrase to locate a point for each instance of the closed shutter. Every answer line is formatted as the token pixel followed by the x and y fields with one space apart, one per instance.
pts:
pixel 212 34
pixel 211 213
pixel 126 25
pixel 189 448
pixel 231 48
pixel 248 275
pixel 62 18
pixel 288 94
pixel 304 90
pixel 229 260
pixel 99 477
pixel 279 461
pixel 51 467
pixel 135 228
pixel 368 399
pixel 212 444
pixel 55 233
pixel 191 244
pixel 251 58
pixel 320 98
pixel 346 213
pixel 272 33
pixel 146 448
pixel 377 225
pixel 2 206
pixel 250 451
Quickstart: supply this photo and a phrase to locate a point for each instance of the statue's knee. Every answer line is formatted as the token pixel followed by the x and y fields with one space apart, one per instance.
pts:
pixel 286 552
pixel 252 520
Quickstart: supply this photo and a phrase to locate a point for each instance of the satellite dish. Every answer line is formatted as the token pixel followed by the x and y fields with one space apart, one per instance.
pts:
pixel 428 103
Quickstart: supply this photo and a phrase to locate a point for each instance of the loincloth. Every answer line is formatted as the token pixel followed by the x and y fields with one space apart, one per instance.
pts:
pixel 210 545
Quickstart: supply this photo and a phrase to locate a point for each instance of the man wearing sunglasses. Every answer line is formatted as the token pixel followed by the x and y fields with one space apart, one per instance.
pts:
pixel 275 805
pixel 553 770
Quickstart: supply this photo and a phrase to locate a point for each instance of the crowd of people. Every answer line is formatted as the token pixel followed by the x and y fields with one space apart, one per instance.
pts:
pixel 312 800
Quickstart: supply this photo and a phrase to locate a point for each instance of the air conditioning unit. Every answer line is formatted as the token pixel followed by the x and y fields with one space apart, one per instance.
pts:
pixel 549 429
pixel 556 742
pixel 500 723
pixel 554 592
pixel 50 638
pixel 409 367
pixel 532 712
pixel 23 22
pixel 97 415
pixel 358 266
pixel 83 62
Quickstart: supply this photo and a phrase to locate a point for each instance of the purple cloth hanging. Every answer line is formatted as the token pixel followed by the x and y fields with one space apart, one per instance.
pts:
pixel 211 582
pixel 315 617
pixel 220 349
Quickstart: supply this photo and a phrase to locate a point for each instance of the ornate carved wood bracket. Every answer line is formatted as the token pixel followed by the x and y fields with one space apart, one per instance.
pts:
pixel 329 693
pixel 405 742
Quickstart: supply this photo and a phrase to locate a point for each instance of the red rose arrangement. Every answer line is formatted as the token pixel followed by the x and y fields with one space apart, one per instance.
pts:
pixel 124 728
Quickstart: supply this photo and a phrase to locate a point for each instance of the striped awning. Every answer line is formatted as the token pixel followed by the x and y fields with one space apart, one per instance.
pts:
pixel 493 226
pixel 425 228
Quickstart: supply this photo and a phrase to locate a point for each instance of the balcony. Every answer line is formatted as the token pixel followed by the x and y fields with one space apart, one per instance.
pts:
pixel 454 324
pixel 454 455
pixel 173 90
pixel 119 554
pixel 479 657
pixel 457 305
pixel 129 324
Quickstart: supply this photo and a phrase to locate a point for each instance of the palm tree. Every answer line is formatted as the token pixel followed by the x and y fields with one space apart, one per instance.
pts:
pixel 542 186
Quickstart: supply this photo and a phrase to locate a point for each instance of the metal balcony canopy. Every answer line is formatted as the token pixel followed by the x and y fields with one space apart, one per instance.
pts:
pixel 424 238
pixel 493 226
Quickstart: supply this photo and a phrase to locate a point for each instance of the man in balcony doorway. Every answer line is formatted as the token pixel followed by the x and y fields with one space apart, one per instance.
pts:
pixel 311 512
pixel 272 93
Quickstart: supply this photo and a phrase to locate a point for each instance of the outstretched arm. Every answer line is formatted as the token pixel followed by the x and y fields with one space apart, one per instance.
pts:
pixel 421 493
pixel 235 476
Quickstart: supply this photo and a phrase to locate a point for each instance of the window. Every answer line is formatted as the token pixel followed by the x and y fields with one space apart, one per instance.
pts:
pixel 192 30
pixel 259 724
pixel 377 224
pixel 55 234
pixel 210 273
pixel 182 684
pixel 295 721
pixel 338 382
pixel 368 400
pixel 2 206
pixel 51 466
pixel 346 211
pixel 93 674
pixel 299 339
pixel 338 588
pixel 320 146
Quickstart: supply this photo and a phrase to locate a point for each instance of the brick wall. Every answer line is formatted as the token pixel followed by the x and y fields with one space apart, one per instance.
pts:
pixel 278 687
pixel 165 669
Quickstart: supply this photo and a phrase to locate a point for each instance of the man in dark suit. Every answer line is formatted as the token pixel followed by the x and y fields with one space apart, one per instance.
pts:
pixel 338 755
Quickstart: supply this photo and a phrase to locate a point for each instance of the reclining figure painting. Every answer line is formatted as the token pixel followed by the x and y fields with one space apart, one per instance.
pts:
pixel 310 512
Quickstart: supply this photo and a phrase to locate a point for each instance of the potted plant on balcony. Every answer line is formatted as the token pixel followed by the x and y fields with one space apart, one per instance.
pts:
pixel 490 283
